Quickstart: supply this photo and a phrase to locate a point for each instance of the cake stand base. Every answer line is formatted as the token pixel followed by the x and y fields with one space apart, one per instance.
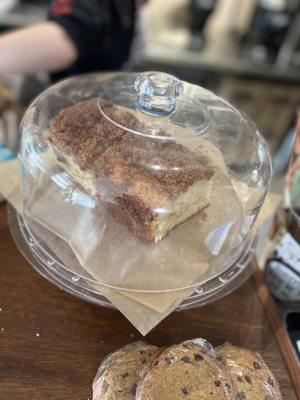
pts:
pixel 212 290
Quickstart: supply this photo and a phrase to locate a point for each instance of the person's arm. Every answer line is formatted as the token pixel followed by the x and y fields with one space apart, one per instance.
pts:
pixel 44 47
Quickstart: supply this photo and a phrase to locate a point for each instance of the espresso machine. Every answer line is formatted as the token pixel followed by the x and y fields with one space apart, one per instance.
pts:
pixel 274 31
pixel 200 11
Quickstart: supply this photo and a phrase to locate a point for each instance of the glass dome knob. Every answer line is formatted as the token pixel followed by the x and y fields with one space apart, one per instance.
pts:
pixel 157 93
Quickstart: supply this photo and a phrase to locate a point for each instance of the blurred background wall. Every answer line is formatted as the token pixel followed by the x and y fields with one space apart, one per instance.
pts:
pixel 247 51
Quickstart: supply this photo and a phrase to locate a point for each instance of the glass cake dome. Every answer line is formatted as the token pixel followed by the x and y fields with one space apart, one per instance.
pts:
pixel 139 183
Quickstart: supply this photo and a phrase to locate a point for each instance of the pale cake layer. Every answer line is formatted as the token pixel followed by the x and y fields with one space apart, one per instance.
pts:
pixel 195 199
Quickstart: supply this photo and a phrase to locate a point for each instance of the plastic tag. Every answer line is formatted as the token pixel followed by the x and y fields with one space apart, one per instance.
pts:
pixel 6 154
pixel 214 240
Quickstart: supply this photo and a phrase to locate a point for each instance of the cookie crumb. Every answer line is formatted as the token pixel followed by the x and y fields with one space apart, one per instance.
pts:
pixel 217 383
pixel 186 359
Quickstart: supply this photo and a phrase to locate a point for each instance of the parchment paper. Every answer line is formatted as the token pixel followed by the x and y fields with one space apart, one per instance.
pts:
pixel 144 310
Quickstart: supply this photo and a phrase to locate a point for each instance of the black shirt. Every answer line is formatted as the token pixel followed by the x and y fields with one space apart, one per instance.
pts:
pixel 102 31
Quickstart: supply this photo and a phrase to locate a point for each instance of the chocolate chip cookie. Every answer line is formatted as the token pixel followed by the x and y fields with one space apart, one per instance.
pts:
pixel 184 371
pixel 120 373
pixel 251 378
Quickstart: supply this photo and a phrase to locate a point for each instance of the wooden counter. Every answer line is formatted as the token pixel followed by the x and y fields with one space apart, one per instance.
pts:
pixel 52 343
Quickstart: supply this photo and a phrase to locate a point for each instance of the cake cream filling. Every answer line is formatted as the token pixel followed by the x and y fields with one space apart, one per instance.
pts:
pixel 193 200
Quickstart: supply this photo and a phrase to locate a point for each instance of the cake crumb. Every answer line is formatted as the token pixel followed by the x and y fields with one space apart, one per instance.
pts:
pixel 2 329
pixel 0 309
pixel 37 334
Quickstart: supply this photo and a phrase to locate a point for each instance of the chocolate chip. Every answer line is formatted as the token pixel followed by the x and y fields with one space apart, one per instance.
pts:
pixel 248 379
pixel 133 389
pixel 197 357
pixel 105 386
pixel 217 383
pixel 239 378
pixel 124 376
pixel 169 360
pixel 186 359
pixel 256 366
pixel 271 382
pixel 144 360
pixel 156 362
pixel 184 390
pixel 241 396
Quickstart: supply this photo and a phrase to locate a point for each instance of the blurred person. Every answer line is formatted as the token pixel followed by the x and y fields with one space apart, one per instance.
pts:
pixel 79 36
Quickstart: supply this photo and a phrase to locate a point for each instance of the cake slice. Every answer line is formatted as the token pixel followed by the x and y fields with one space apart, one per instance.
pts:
pixel 149 184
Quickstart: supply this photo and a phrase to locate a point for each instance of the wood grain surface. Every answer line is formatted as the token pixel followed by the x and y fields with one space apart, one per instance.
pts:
pixel 51 343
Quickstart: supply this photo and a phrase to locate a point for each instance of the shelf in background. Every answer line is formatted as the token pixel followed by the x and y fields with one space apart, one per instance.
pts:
pixel 22 15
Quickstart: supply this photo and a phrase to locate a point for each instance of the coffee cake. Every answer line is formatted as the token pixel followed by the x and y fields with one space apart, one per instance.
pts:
pixel 149 184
